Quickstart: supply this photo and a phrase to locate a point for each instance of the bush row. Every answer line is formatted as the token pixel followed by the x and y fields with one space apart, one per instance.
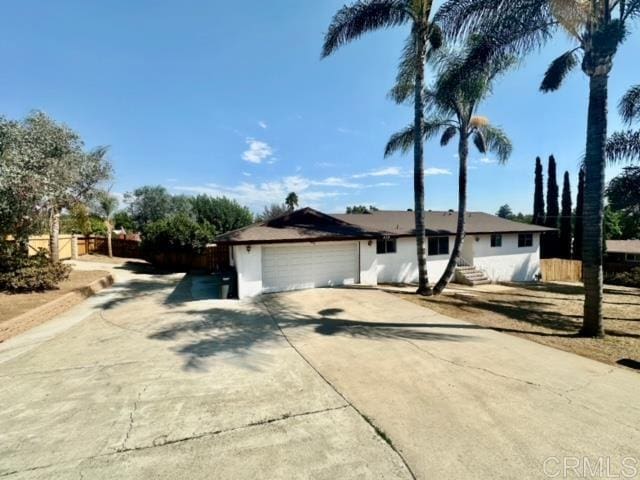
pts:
pixel 19 273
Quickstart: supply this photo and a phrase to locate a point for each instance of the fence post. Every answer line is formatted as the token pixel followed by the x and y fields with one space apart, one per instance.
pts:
pixel 74 246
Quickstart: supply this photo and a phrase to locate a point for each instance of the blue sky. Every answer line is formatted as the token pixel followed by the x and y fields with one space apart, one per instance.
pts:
pixel 232 98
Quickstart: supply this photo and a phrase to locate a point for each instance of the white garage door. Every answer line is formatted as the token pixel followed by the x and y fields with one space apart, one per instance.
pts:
pixel 307 266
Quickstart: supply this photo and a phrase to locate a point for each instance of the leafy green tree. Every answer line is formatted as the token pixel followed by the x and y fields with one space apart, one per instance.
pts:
pixel 176 233
pixel 45 169
pixel 291 201
pixel 149 204
pixel 451 107
pixel 222 213
pixel 123 219
pixel 598 28
pixel 564 246
pixel 623 194
pixel 362 16
pixel 107 205
pixel 626 145
pixel 272 211
pixel 538 195
pixel 361 209
pixel 505 212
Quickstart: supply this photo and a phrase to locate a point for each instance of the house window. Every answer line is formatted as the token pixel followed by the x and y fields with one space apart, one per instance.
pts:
pixel 525 240
pixel 386 246
pixel 438 245
pixel 633 257
pixel 496 240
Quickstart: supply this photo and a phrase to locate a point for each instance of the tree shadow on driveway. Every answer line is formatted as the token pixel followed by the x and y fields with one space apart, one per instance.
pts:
pixel 246 330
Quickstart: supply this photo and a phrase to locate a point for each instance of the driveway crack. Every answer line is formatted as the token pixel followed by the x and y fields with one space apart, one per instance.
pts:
pixel 379 432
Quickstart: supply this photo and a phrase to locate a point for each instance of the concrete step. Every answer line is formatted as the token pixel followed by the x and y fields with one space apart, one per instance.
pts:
pixel 485 281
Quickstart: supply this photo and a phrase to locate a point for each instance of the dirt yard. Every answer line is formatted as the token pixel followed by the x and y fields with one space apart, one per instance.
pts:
pixel 12 305
pixel 550 314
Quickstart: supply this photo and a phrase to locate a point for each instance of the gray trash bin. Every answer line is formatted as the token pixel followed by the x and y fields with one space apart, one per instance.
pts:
pixel 225 286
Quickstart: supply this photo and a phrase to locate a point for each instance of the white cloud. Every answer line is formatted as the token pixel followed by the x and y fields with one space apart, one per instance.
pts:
pixel 437 171
pixel 487 160
pixel 262 124
pixel 382 172
pixel 260 194
pixel 246 174
pixel 257 151
pixel 337 182
pixel 325 164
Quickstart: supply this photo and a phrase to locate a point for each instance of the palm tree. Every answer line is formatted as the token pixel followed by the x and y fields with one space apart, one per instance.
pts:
pixel 362 16
pixel 626 145
pixel 451 107
pixel 291 201
pixel 108 204
pixel 598 27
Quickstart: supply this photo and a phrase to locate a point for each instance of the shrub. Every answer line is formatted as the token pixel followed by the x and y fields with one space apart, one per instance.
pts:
pixel 626 279
pixel 29 274
pixel 176 233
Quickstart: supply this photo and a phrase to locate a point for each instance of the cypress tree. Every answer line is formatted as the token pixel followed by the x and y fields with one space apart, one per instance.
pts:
pixel 577 236
pixel 538 196
pixel 550 240
pixel 553 209
pixel 564 247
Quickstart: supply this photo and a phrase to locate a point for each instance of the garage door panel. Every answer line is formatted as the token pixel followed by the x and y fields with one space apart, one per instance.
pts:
pixel 308 266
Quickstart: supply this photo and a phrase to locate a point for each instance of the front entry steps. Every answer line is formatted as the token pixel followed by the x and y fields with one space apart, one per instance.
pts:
pixel 469 275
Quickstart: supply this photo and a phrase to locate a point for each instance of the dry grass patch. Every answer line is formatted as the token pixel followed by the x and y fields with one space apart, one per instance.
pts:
pixel 547 313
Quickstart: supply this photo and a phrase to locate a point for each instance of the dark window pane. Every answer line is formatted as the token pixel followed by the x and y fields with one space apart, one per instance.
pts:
pixel 525 240
pixel 380 246
pixel 444 246
pixel 496 240
pixel 391 246
pixel 433 246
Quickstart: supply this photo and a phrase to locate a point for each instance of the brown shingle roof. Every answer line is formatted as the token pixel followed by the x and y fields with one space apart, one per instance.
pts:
pixel 623 246
pixel 307 225
pixel 303 225
pixel 403 222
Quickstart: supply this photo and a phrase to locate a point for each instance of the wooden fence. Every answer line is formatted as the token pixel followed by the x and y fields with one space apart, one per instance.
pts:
pixel 560 270
pixel 212 259
pixel 37 242
pixel 121 248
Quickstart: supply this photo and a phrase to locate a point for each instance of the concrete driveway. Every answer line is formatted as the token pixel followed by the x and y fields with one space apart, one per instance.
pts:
pixel 150 379
pixel 459 401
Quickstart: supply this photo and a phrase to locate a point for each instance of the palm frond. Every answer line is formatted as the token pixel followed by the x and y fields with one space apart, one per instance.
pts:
pixel 629 106
pixel 447 135
pixel 352 21
pixel 506 26
pixel 479 141
pixel 558 70
pixel 623 146
pixel 403 140
pixel 631 10
pixel 497 142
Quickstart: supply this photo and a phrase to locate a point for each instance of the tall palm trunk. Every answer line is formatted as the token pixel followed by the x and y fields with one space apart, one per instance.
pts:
pixel 418 165
pixel 594 205
pixel 463 153
pixel 109 234
pixel 54 236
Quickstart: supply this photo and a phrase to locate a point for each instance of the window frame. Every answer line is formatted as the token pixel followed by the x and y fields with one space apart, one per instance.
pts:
pixel 496 240
pixel 386 242
pixel 524 243
pixel 439 243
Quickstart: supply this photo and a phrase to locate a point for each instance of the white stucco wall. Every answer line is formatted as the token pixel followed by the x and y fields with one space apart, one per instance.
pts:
pixel 368 263
pixel 249 268
pixel 402 266
pixel 509 262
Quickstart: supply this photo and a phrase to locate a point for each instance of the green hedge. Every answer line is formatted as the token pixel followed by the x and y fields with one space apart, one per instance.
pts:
pixel 37 273
pixel 626 279
pixel 176 233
